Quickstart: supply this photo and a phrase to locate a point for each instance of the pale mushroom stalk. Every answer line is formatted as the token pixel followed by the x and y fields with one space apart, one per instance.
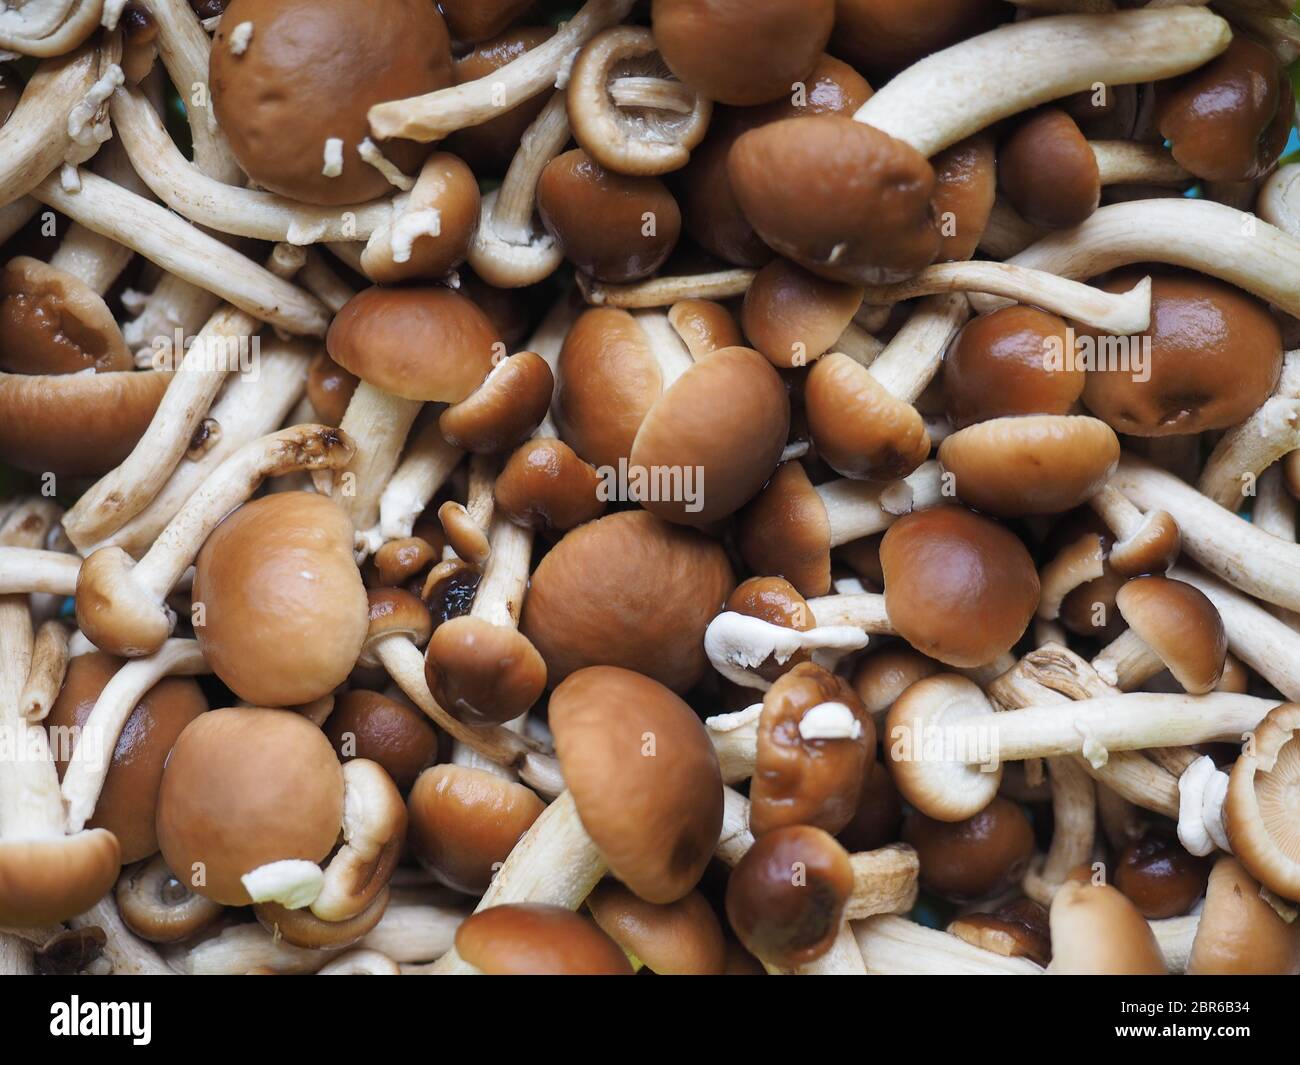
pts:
pixel 26 570
pixel 895 946
pixel 17 957
pixel 321 281
pixel 1175 936
pixel 737 644
pixel 499 599
pixel 29 785
pixel 15 215
pixel 127 953
pixel 1134 163
pixel 49 666
pixel 427 463
pixel 665 291
pixel 1274 510
pixel 361 963
pixel 1006 234
pixel 1279 199
pixel 911 359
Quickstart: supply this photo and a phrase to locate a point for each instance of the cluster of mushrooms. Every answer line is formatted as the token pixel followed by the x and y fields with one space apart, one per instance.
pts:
pixel 678 487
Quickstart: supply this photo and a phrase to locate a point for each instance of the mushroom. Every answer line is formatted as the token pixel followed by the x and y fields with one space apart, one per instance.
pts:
pixel 895 946
pixel 1017 930
pixel 1239 932
pixel 29 569
pixel 1097 931
pixel 158 908
pixel 530 939
pixel 681 938
pixel 48 669
pixel 1145 542
pixel 370 725
pixel 883 38
pixel 505 409
pixel 977 857
pixel 882 676
pixel 120 602
pixel 471 21
pixel 1159 877
pixel 1260 788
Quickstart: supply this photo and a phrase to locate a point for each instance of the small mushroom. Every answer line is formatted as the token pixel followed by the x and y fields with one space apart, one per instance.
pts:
pixel 528 939
pixel 1096 931
pixel 1239 933
pixel 366 724
pixel 682 938
pixel 1159 877
pixel 157 907
pixel 977 857
pixel 794 317
pixel 1260 789
pixel 504 410
pixel 1016 930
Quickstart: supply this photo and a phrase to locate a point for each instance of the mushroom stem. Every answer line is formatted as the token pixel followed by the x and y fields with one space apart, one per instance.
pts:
pixel 1279 199
pixel 859 508
pixel 1121 314
pixel 1117 511
pixel 1127 661
pixel 895 946
pixel 83 780
pixel 658 94
pixel 128 954
pixel 665 291
pixel 864 610
pixel 90 258
pixel 28 569
pixel 1006 234
pixel 49 665
pixel 1274 509
pixel 961 90
pixel 29 783
pixel 428 462
pixel 1246 450
pixel 173 308
pixel 910 360
pixel 1133 163
pixel 1175 936
pixel 858 345
pixel 884 881
pixel 500 596
pixel 13 216
pixel 17 956
pixel 434 115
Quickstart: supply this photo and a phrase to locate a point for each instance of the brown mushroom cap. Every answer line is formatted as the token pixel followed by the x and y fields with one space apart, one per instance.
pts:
pixel 303 928
pixel 774 600
pixel 860 212
pixel 471 21
pixel 54 323
pixel 484 674
pixel 878 819
pixel 808 781
pixel 545 485
pixel 965 186
pixel 612 226
pixel 882 676
pixel 526 939
pixel 129 799
pixel 1034 464
pixel 1229 119
pixel 1048 170
pixel 784 532
pixel 46 881
pixel 723 423
pixel 244 788
pixel 861 429
pixel 417 343
pixel 997 366
pixel 644 777
pixel 704 327
pixel 681 938
pixel 786 896
pixel 1260 808
pixel 330 388
pixel 1152 549
pixel 1159 877
pixel 976 858
pixel 158 907
pixel 587 602
pixel 1215 356
pixel 1096 931
pixel 1016 930
pixel 1180 624
pixel 399 562
pixel 310 73
pixel 285 608
pixel 464 822
pixel 110 411
pixel 503 412
pixel 738 52
pixel 395 612
pixel 1239 933
pixel 881 37
pixel 366 724
pixel 792 316
pixel 958 587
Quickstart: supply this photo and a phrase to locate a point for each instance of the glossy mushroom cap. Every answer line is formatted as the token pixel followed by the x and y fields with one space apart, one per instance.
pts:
pixel 1180 624
pixel 1016 930
pixel 472 21
pixel 774 600
pixel 503 412
pixel 958 587
pixel 975 858
pixel 966 186
pixel 129 800
pixel 881 37
pixel 309 74
pixel 366 724
pixel 784 532
pixel 1215 356
pixel 428 344
pixel 54 323
pixel 997 366
pixel 786 897
pixel 587 602
pixel 1159 877
pixel 544 484
pixel 394 612
pixel 681 938
pixel 740 52
pixel 792 316
pixel 285 608
pixel 482 673
pixel 464 823
pixel 1048 170
pixel 615 227
pixel 878 819
pixel 244 788
pixel 861 211
pixel 1034 464
pixel 526 939
pixel 1096 931
pixel 1229 119
pixel 644 777
pixel 329 389
pixel 1239 933
pixel 400 562
pixel 1260 808
pixel 1152 549
pixel 816 742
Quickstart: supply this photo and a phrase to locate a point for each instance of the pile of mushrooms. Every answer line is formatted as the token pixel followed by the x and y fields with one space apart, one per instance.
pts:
pixel 745 486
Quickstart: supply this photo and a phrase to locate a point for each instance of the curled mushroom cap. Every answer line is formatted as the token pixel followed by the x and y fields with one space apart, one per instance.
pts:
pixel 815 743
pixel 45 881
pixel 881 37
pixel 1049 171
pixel 308 74
pixel 366 724
pixel 483 673
pixel 792 316
pixel 785 532
pixel 613 226
pixel 55 323
pixel 464 822
pixel 1215 354
pixel 1035 464
pixel 974 858
pixel 472 21
pixel 786 897
pixel 958 586
pixel 417 343
pixel 1096 931
pixel 245 788
pixel 586 604
pixel 861 211
pixel 527 939
pixel 1229 120
pixel 681 938
pixel 1261 802
pixel 158 907
pixel 544 484
pixel 1017 930
pixel 505 410
pixel 302 928
pixel 129 799
pixel 285 611
pixel 776 601
pixel 1240 933
pixel 1159 877
pixel 997 366
pixel 1182 626
pixel 644 776
pixel 964 192
pixel 738 52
